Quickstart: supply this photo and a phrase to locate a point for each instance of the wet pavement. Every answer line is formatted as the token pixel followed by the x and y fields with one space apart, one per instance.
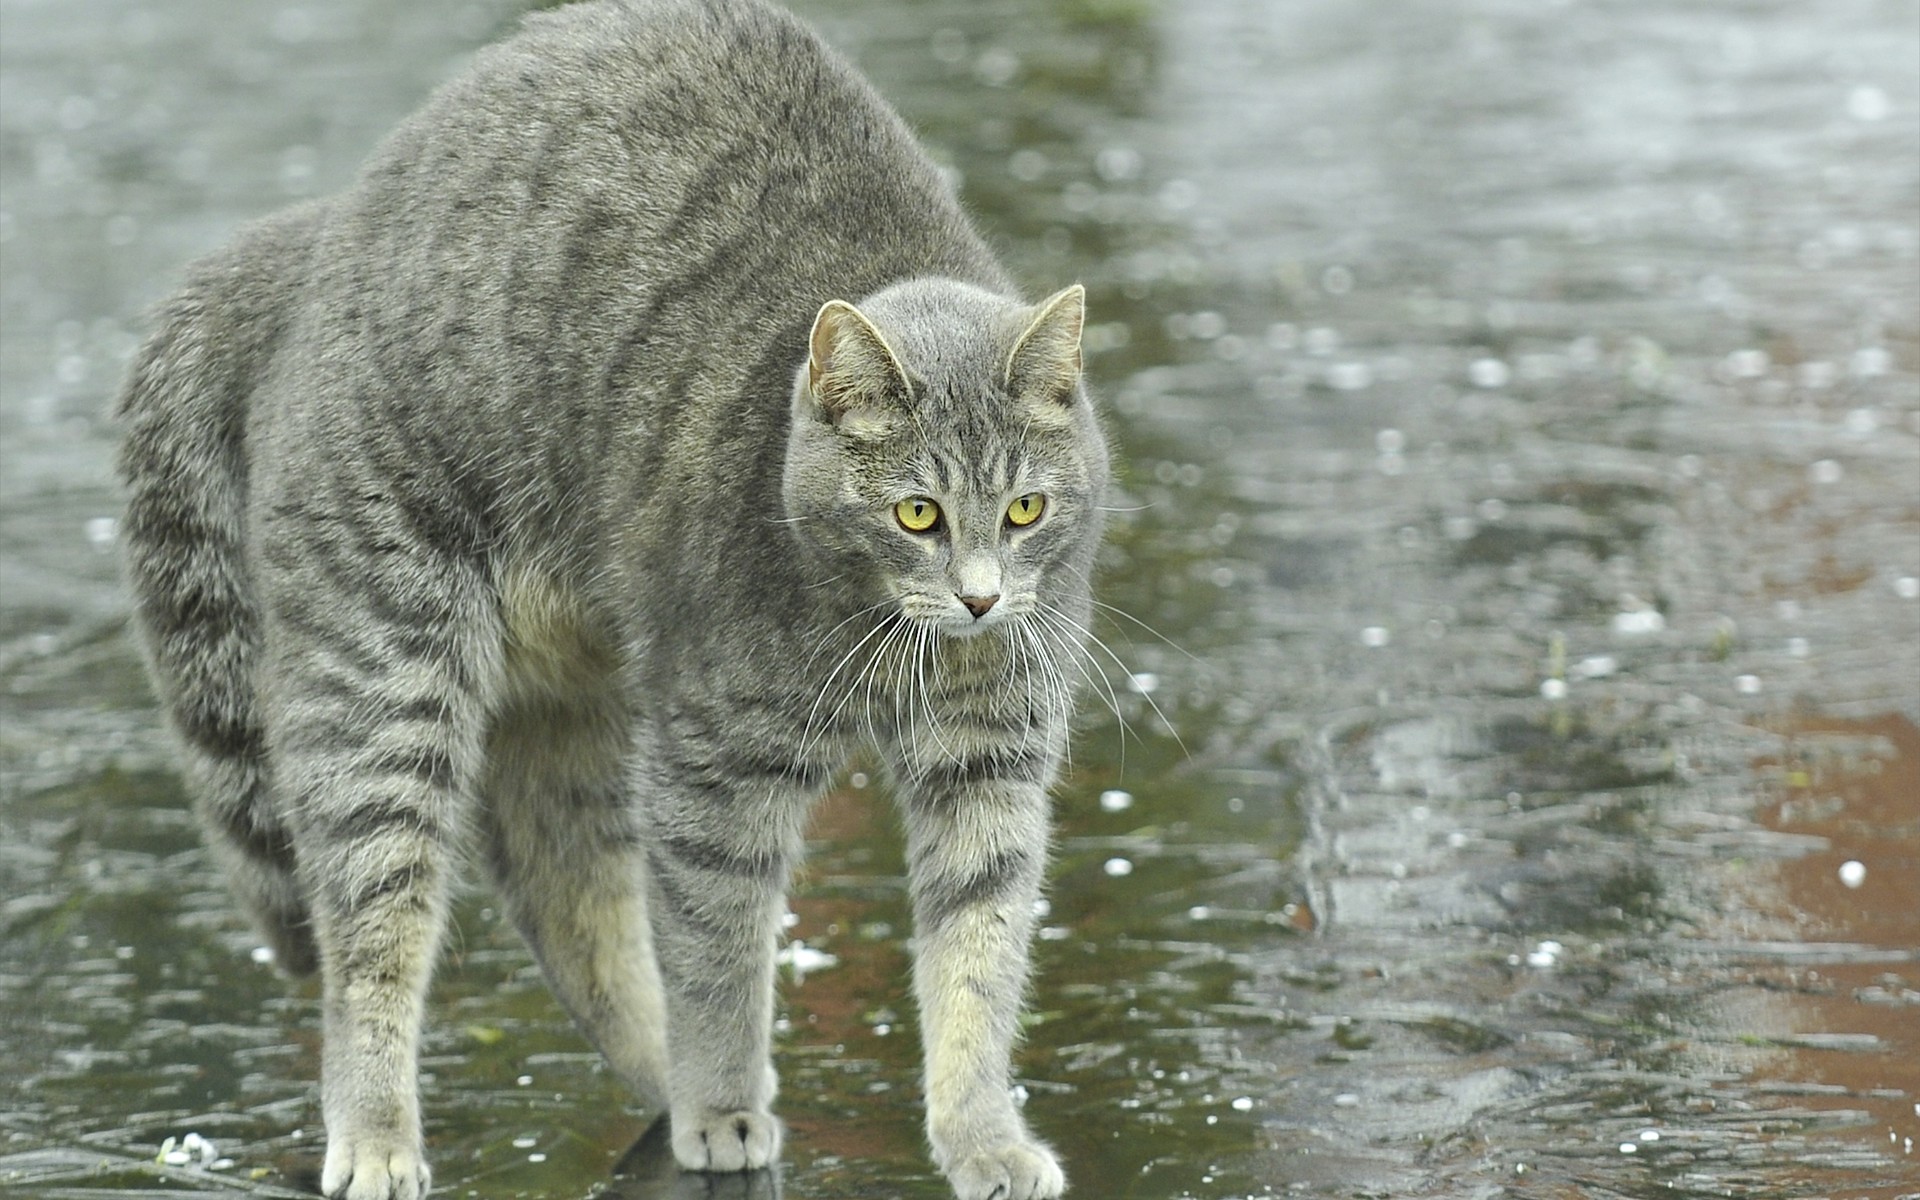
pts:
pixel 1505 780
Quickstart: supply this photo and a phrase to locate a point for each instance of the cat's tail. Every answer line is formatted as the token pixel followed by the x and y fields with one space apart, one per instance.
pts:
pixel 183 460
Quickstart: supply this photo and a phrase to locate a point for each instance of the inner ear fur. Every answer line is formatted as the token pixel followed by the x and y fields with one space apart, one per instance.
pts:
pixel 1045 361
pixel 850 366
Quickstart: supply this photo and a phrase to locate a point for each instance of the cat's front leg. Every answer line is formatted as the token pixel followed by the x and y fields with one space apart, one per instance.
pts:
pixel 976 848
pixel 723 830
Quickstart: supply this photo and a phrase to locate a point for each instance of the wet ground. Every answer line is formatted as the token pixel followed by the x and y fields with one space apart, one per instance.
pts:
pixel 1521 408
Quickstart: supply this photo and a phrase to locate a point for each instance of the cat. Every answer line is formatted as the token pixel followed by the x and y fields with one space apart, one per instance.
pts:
pixel 645 432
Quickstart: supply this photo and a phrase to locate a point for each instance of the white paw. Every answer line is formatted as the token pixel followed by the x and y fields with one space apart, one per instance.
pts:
pixel 733 1141
pixel 374 1169
pixel 1021 1171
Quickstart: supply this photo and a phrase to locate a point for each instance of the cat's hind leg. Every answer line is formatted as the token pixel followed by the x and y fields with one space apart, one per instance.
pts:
pixel 561 842
pixel 381 654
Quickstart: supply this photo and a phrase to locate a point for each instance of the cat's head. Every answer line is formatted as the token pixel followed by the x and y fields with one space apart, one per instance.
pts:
pixel 944 452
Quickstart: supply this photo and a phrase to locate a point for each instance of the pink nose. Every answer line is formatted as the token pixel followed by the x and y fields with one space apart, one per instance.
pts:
pixel 978 605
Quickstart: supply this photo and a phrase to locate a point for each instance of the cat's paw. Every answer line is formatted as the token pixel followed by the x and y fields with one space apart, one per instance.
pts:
pixel 1018 1171
pixel 374 1168
pixel 730 1141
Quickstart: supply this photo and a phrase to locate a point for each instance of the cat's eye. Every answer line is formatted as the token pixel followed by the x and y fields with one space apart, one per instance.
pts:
pixel 1027 509
pixel 917 514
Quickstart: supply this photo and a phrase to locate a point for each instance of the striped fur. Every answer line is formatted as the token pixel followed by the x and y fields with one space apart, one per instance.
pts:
pixel 511 505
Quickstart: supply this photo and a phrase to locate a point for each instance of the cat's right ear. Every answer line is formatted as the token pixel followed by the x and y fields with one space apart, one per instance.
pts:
pixel 853 376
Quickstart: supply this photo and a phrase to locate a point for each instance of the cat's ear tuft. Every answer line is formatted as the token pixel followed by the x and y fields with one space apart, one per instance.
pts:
pixel 850 367
pixel 1045 361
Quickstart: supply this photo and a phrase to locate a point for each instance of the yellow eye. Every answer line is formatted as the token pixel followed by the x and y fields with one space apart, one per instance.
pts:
pixel 1027 509
pixel 917 514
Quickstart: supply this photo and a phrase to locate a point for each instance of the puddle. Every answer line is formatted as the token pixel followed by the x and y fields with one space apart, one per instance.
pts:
pixel 1520 410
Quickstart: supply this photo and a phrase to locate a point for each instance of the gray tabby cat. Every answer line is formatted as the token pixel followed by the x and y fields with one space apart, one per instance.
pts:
pixel 645 432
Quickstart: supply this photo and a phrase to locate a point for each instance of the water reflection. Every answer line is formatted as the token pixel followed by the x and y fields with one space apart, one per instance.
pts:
pixel 648 1172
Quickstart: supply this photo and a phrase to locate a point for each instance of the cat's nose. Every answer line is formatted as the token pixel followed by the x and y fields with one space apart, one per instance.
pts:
pixel 978 605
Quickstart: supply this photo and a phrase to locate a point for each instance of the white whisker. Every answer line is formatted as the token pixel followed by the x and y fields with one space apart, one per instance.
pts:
pixel 1107 650
pixel 812 735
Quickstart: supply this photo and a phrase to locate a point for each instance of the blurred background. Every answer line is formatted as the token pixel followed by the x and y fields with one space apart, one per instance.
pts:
pixel 1501 777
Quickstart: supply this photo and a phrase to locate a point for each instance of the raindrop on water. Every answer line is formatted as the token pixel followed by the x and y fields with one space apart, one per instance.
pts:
pixel 997 66
pixel 1869 361
pixel 1322 341
pixel 1027 164
pixel 1818 375
pixel 297 166
pixel 1116 163
pixel 1179 194
pixel 1489 373
pixel 950 46
pixel 804 958
pixel 1862 421
pixel 1207 325
pixel 1596 666
pixel 1868 103
pixel 1349 376
pixel 1638 622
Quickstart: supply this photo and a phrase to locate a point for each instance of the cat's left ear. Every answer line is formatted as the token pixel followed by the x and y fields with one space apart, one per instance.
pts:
pixel 1045 362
